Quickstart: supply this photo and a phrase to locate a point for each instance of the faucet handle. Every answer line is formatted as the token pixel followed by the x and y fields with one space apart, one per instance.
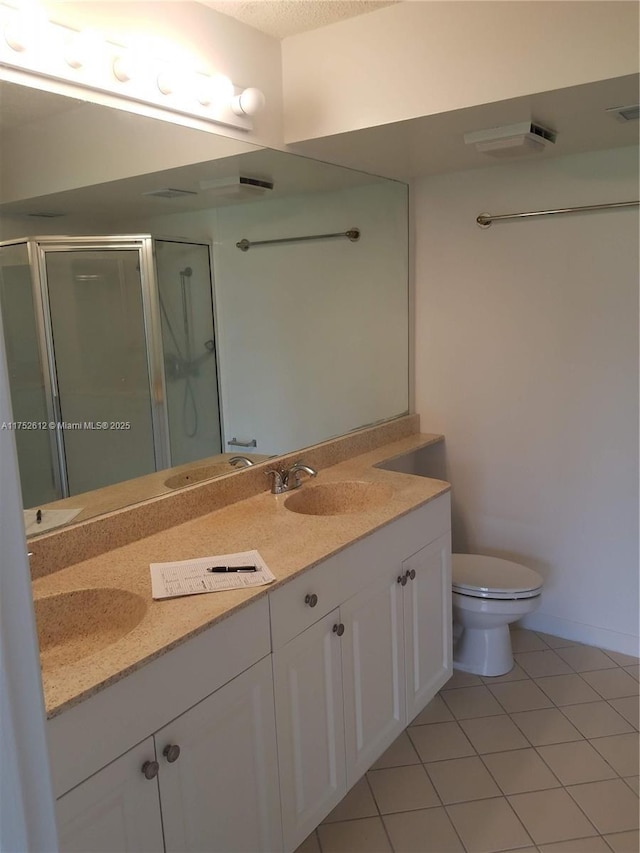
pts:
pixel 278 485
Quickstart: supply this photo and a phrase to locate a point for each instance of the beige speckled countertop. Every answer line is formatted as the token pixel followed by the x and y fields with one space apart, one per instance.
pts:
pixel 289 542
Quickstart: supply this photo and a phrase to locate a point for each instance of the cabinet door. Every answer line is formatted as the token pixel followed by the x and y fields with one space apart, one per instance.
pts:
pixel 220 795
pixel 117 810
pixel 373 672
pixel 427 620
pixel 310 723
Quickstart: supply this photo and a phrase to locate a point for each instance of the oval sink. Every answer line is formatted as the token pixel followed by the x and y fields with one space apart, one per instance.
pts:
pixel 338 498
pixel 73 625
pixel 197 475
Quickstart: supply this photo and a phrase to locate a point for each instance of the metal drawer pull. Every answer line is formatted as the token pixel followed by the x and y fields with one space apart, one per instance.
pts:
pixel 311 599
pixel 412 574
pixel 338 629
pixel 403 579
pixel 150 769
pixel 171 752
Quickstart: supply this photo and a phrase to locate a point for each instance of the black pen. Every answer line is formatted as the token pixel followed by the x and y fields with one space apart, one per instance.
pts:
pixel 221 569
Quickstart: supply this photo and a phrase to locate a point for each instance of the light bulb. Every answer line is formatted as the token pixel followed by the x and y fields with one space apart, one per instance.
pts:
pixel 212 90
pixel 17 35
pixel 248 102
pixel 82 48
pixel 125 67
pixel 166 82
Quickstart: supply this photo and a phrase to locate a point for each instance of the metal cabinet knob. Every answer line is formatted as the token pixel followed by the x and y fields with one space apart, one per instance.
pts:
pixel 150 769
pixel 402 580
pixel 171 752
pixel 338 629
pixel 412 574
pixel 311 599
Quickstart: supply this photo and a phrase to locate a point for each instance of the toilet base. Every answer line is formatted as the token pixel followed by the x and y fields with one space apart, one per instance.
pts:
pixel 484 651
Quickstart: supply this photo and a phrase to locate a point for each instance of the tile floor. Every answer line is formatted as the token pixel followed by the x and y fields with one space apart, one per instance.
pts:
pixel 542 759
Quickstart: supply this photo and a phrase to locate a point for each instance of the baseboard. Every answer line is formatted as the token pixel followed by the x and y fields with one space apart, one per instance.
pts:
pixel 590 635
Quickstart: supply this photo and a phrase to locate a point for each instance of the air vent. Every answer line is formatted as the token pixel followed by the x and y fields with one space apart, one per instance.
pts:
pixel 237 186
pixel 168 192
pixel 512 140
pixel 631 113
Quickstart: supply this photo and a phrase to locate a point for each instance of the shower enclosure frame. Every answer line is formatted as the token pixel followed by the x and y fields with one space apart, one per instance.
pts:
pixel 37 249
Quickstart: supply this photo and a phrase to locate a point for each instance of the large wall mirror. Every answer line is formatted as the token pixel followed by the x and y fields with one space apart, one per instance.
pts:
pixel 177 304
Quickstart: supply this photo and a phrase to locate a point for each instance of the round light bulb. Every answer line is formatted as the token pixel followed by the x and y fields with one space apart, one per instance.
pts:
pixel 248 103
pixel 212 90
pixel 125 68
pixel 16 35
pixel 82 48
pixel 166 82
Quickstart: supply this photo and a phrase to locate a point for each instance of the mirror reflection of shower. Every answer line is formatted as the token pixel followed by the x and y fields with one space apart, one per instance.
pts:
pixel 181 364
pixel 97 334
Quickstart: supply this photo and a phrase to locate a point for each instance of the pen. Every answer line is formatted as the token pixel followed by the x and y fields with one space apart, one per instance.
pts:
pixel 232 569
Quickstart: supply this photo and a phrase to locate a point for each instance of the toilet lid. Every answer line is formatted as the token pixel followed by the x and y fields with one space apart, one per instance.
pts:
pixel 491 577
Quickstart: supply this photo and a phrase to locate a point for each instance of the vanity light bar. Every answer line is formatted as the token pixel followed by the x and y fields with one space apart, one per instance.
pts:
pixel 30 43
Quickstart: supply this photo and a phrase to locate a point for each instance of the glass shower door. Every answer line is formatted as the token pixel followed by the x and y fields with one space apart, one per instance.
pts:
pixel 97 332
pixel 35 442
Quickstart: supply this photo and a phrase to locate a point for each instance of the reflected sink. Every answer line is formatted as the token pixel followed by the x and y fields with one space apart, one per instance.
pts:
pixel 73 625
pixel 197 475
pixel 338 498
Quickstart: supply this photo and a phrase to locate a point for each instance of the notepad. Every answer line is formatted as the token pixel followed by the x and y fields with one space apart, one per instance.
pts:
pixel 190 577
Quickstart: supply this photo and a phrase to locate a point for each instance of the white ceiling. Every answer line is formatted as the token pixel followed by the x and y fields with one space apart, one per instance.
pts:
pixel 281 18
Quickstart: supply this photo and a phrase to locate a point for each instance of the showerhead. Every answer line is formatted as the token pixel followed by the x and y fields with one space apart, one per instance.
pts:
pixel 187 271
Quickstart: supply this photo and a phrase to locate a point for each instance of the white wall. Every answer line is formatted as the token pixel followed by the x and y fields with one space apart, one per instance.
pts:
pixel 421 58
pixel 527 361
pixel 313 336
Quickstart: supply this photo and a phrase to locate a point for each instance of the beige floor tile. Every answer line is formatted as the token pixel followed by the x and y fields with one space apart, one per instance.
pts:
pixel 612 683
pixel 551 816
pixel 634 671
pixel 537 664
pixel 629 708
pixel 556 642
pixel 611 806
pixel 467 702
pixel 585 658
pixel 621 751
pixel 354 836
pixel 400 753
pixel 357 803
pixel 514 674
pixel 597 719
pixel 310 845
pixel 435 712
pixel 401 789
pixel 622 660
pixel 523 640
pixel 634 783
pixel 624 842
pixel 486 826
pixel 462 679
pixel 425 831
pixel 546 725
pixel 576 762
pixel 493 734
pixel 520 696
pixel 462 779
pixel 567 689
pixel 520 771
pixel 440 741
pixel 595 844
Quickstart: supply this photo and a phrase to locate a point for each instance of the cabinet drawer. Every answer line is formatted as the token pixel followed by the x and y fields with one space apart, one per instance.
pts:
pixel 339 577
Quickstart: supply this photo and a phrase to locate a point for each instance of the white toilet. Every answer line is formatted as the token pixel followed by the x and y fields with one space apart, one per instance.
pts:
pixel 488 594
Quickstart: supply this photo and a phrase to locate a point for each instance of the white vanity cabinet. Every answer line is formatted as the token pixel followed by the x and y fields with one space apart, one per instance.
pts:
pixel 347 681
pixel 205 780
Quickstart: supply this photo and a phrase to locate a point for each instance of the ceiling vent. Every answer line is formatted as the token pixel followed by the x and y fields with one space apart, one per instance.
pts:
pixel 237 187
pixel 631 113
pixel 512 140
pixel 168 192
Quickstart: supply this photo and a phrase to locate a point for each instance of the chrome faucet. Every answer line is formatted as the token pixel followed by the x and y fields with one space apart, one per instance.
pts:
pixel 240 462
pixel 287 479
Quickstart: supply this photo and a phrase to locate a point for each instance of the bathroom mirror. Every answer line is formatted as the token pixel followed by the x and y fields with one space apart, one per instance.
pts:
pixel 139 312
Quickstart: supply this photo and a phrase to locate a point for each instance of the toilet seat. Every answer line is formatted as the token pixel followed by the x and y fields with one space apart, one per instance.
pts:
pixel 478 576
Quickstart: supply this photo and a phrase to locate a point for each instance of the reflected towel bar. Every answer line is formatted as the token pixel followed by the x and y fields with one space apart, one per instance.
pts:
pixel 352 234
pixel 484 220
